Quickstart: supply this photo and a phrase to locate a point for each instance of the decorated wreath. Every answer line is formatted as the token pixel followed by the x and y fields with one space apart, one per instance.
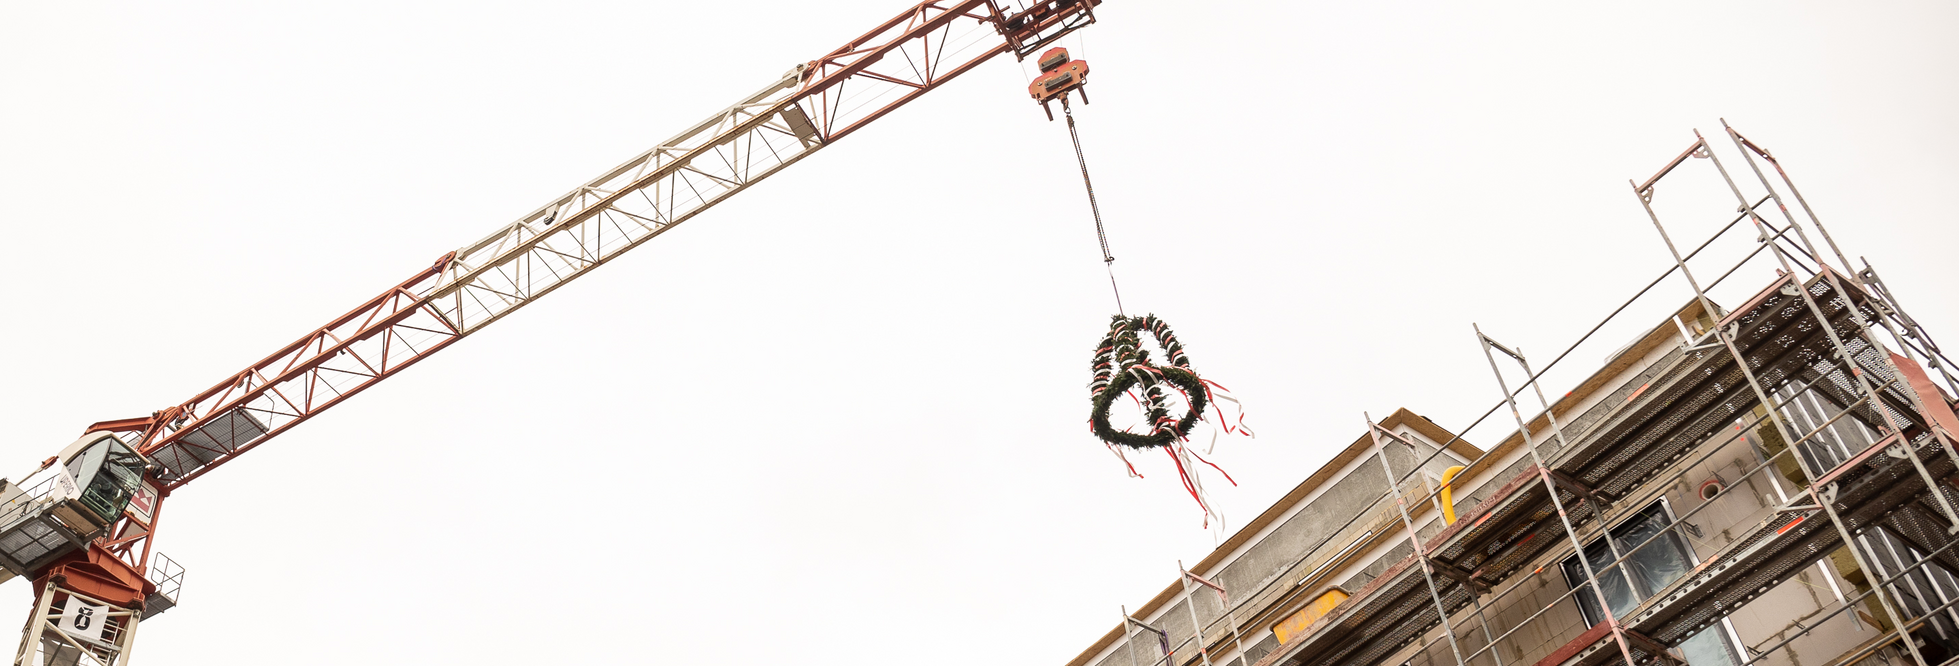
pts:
pixel 1121 364
pixel 1122 367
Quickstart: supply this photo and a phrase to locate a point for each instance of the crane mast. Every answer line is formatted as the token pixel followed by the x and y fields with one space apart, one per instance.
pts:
pixel 81 526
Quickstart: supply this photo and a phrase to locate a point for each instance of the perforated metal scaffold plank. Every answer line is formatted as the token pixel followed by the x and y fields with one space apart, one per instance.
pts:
pixel 1884 490
pixel 1619 447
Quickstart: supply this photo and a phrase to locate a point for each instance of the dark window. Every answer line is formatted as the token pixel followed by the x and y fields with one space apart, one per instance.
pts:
pixel 1647 571
pixel 109 474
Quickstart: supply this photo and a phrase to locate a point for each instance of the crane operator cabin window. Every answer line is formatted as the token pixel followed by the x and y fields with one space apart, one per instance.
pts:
pixel 108 474
pixel 1646 572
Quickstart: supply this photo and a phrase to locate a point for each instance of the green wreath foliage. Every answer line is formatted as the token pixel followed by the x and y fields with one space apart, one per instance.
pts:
pixel 1122 364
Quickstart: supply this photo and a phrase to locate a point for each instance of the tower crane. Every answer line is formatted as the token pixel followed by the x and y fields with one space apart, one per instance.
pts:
pixel 81 526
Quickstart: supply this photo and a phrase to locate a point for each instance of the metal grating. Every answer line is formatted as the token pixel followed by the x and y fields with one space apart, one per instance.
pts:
pixel 1924 528
pixel 35 539
pixel 218 436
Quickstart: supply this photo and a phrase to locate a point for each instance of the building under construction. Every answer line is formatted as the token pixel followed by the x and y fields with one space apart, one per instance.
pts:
pixel 1764 481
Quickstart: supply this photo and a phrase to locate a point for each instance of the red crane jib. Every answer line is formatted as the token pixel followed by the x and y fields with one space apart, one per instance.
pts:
pixel 408 321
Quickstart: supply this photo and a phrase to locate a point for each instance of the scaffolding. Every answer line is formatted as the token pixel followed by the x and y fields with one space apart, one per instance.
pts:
pixel 1796 380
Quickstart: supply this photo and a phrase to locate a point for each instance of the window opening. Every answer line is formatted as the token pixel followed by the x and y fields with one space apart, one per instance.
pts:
pixel 1917 591
pixel 1644 574
pixel 108 474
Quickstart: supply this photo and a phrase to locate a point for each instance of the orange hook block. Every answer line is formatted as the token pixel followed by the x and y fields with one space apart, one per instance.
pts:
pixel 1059 75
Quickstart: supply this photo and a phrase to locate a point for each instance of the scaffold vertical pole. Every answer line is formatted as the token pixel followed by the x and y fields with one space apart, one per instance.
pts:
pixel 1934 357
pixel 1196 626
pixel 1475 599
pixel 1162 637
pixel 1224 603
pixel 1745 146
pixel 1128 636
pixel 1415 541
pixel 1857 316
pixel 1551 489
pixel 1741 361
pixel 1557 431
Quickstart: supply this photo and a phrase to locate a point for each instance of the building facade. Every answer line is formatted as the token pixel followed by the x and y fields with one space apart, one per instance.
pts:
pixel 1772 483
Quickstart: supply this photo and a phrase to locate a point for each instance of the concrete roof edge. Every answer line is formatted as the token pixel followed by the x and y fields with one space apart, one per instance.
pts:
pixel 1562 406
pixel 1618 364
pixel 1319 477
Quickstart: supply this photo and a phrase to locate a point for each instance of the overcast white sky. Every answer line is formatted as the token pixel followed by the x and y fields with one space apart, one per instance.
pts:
pixel 840 417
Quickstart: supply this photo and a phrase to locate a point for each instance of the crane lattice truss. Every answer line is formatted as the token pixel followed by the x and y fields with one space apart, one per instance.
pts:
pixel 808 108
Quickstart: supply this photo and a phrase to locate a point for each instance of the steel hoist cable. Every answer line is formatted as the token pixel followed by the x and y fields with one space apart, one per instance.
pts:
pixel 1101 234
pixel 1170 397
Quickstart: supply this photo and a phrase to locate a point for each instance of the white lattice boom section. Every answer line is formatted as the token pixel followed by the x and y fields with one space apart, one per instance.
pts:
pixel 808 108
pixel 627 206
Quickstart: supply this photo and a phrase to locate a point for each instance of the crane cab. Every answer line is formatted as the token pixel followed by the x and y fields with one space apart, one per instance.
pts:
pixel 64 505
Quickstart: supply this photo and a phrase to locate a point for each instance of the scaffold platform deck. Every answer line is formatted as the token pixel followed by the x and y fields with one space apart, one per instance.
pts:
pixel 1615 449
